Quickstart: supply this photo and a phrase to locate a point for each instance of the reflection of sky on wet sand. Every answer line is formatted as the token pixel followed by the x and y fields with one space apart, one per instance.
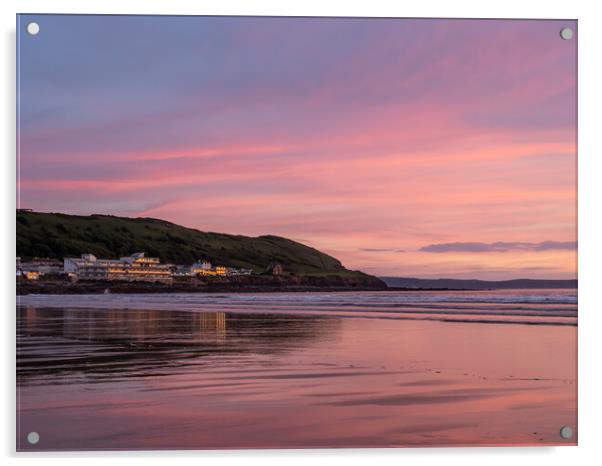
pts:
pixel 91 379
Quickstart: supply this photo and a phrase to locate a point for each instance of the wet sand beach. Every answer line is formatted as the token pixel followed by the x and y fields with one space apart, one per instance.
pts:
pixel 297 370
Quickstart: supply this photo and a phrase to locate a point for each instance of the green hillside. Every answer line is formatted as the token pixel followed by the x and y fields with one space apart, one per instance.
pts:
pixel 60 235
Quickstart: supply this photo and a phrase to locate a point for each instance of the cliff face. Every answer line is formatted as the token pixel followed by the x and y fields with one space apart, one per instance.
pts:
pixel 57 235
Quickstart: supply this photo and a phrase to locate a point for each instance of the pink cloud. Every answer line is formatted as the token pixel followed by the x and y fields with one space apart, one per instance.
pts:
pixel 464 137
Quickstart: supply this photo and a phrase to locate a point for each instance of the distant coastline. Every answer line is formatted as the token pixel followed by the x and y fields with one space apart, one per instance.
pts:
pixel 467 284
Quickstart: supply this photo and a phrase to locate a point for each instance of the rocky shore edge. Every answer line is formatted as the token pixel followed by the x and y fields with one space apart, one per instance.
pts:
pixel 251 284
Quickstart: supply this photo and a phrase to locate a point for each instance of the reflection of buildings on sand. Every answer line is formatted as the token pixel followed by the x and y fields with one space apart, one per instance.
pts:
pixel 211 325
pixel 126 343
pixel 29 319
pixel 129 327
pixel 146 327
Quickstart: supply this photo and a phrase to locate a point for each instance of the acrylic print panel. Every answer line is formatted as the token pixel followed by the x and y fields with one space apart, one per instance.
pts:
pixel 252 232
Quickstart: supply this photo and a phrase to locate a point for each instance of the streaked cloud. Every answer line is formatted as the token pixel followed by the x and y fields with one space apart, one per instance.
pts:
pixel 381 250
pixel 333 130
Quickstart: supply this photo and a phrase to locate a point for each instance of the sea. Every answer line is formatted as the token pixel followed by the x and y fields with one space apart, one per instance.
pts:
pixel 296 370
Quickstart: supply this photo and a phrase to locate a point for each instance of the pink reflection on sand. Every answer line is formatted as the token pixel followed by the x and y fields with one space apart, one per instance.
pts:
pixel 232 381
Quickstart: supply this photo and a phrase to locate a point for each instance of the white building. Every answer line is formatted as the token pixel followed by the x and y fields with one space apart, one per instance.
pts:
pixel 136 267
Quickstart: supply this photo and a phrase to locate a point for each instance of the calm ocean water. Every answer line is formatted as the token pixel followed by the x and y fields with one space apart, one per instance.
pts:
pixel 296 369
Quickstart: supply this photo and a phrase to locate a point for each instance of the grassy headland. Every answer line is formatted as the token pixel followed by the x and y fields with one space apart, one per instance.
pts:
pixel 57 235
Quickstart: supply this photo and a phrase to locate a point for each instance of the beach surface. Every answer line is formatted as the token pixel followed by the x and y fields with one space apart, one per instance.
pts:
pixel 297 370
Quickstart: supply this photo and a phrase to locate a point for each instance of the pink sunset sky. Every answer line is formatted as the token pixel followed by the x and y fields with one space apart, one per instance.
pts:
pixel 423 148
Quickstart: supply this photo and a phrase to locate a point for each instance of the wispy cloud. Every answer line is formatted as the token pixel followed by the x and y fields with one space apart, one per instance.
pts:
pixel 381 250
pixel 275 127
pixel 501 246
